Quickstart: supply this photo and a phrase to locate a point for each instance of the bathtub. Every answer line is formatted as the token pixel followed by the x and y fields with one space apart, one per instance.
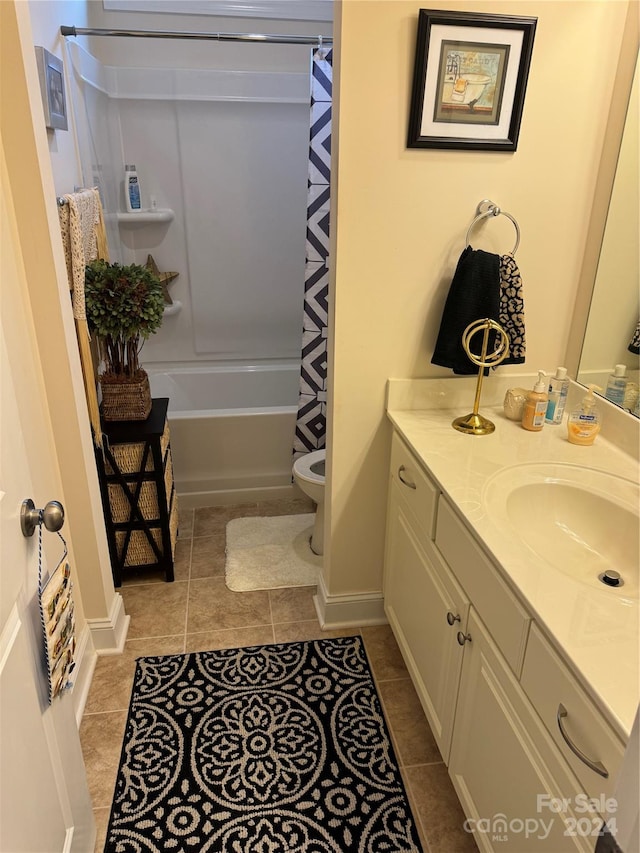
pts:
pixel 231 430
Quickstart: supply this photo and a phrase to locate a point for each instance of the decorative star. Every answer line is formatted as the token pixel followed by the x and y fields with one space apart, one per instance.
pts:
pixel 164 277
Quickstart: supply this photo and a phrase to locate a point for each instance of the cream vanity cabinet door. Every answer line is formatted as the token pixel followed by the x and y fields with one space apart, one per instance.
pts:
pixel 503 765
pixel 425 605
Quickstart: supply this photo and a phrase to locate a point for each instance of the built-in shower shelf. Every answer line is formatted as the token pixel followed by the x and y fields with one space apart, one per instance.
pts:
pixel 174 308
pixel 145 217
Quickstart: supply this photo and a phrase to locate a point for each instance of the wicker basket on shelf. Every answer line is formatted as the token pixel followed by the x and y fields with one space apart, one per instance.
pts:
pixel 126 399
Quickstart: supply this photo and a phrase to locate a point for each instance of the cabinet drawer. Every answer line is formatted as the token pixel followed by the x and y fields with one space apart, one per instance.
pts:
pixel 499 609
pixel 549 684
pixel 420 494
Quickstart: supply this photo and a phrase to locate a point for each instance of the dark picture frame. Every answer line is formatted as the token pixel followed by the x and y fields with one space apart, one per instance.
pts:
pixel 54 101
pixel 469 80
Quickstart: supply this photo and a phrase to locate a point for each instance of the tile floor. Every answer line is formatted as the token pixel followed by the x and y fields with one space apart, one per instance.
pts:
pixel 197 612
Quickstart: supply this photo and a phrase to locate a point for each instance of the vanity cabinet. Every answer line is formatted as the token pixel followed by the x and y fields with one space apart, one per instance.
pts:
pixel 490 683
pixel 425 605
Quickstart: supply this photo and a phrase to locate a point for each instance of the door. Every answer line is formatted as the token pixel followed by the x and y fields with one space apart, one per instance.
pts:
pixel 44 801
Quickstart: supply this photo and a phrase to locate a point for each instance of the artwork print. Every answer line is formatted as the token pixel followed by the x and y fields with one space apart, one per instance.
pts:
pixel 470 82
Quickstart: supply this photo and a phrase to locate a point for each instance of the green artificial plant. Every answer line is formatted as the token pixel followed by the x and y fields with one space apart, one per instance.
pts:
pixel 124 307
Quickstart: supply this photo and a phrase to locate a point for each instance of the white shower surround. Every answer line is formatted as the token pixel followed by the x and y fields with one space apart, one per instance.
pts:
pixel 227 151
pixel 231 430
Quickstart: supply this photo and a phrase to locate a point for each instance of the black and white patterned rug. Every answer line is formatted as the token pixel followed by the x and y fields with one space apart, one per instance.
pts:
pixel 267 749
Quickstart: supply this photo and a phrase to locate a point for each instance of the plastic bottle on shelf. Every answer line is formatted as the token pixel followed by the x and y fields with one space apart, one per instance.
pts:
pixel 558 390
pixel 132 194
pixel 535 405
pixel 617 384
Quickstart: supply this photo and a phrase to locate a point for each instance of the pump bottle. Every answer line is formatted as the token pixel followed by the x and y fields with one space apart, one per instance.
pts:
pixel 535 406
pixel 558 390
pixel 583 424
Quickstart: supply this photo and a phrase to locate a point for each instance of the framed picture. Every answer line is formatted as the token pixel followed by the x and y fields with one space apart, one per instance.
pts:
pixel 469 80
pixel 54 101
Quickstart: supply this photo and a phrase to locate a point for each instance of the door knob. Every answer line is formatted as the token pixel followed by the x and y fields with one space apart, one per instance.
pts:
pixel 52 516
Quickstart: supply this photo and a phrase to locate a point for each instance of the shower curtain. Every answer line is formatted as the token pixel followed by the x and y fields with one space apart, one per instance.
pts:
pixel 310 429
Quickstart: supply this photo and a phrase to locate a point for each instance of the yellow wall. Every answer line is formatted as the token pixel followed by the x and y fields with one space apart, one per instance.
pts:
pixel 401 216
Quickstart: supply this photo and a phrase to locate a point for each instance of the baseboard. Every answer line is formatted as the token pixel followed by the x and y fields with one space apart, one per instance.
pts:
pixel 85 660
pixel 348 611
pixel 109 635
pixel 224 497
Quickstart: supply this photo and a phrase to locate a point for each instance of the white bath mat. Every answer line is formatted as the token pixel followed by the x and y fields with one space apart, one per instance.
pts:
pixel 268 553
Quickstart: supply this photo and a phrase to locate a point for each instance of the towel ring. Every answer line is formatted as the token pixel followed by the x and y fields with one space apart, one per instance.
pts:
pixel 487 208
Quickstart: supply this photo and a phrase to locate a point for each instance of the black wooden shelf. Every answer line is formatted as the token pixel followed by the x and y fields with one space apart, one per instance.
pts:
pixel 138 494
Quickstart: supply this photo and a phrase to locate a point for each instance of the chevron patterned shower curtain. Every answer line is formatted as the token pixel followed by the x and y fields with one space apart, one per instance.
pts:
pixel 311 421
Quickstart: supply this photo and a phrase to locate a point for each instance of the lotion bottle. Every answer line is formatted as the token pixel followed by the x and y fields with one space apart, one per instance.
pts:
pixel 558 390
pixel 535 406
pixel 617 385
pixel 132 189
pixel 583 424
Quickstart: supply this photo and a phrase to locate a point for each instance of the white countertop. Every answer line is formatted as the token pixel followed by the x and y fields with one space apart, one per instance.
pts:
pixel 597 633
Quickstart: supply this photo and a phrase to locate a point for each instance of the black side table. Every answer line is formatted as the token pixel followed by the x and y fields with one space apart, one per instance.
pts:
pixel 138 494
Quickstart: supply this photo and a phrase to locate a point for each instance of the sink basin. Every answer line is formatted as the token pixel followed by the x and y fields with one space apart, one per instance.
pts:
pixel 580 521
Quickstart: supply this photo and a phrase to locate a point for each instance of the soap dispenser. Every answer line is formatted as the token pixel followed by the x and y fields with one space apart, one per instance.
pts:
pixel 583 424
pixel 535 406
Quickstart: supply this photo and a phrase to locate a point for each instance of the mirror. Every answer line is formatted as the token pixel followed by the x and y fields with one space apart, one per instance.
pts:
pixel 615 303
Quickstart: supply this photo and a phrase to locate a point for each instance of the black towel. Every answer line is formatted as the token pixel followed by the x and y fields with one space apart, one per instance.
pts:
pixel 474 295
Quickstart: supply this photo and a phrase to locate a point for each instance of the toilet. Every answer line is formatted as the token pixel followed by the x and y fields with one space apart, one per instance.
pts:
pixel 308 473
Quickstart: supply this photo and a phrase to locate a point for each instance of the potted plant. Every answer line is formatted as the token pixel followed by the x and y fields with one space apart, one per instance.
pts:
pixel 124 307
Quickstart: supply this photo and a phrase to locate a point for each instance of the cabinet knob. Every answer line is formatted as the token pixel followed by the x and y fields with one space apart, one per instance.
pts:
pixel 463 638
pixel 451 619
pixel 402 479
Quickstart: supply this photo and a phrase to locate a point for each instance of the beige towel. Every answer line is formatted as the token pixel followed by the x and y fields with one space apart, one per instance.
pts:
pixel 79 221
pixel 84 239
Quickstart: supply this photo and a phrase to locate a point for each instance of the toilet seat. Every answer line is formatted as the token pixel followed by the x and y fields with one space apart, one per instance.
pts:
pixel 304 466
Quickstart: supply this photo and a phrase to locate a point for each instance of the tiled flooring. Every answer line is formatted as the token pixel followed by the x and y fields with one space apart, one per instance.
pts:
pixel 197 612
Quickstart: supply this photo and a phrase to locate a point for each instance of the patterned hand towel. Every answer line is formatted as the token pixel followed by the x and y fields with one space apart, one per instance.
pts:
pixel 511 316
pixel 634 344
pixel 474 294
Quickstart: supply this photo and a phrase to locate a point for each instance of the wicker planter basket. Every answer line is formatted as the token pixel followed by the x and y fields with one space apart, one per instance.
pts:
pixel 125 399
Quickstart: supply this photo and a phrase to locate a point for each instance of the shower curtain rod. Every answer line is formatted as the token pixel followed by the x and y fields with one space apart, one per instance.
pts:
pixel 319 41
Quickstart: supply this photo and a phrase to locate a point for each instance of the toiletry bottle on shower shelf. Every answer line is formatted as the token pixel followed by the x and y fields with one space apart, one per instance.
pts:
pixel 535 406
pixel 583 424
pixel 558 389
pixel 617 384
pixel 132 189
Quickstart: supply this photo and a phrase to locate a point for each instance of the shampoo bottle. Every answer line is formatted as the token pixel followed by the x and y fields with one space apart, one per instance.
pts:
pixel 132 189
pixel 583 424
pixel 558 389
pixel 535 406
pixel 617 385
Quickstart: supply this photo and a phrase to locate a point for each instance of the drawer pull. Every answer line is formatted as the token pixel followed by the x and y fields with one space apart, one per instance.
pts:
pixel 463 638
pixel 596 766
pixel 402 479
pixel 451 619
